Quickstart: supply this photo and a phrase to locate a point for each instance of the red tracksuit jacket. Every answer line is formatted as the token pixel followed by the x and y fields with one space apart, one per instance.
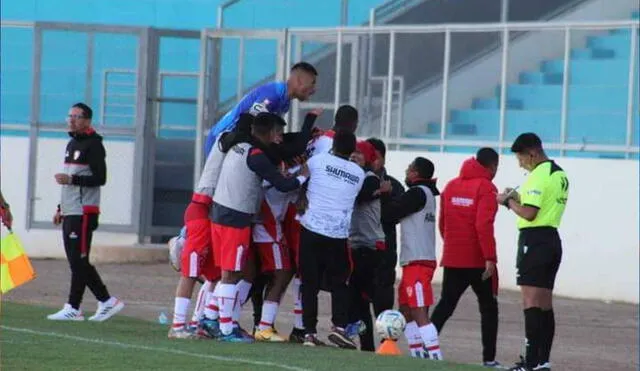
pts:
pixel 468 208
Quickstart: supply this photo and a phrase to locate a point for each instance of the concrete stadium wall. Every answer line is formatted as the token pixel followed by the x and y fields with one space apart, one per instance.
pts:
pixel 116 204
pixel 600 228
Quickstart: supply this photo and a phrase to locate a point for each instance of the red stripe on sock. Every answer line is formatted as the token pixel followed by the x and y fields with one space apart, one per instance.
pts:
pixel 415 346
pixel 435 347
pixel 265 323
pixel 178 325
pixel 225 320
pixel 297 311
pixel 213 307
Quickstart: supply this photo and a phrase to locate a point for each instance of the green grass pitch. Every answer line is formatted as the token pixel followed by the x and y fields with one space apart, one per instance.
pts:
pixel 29 342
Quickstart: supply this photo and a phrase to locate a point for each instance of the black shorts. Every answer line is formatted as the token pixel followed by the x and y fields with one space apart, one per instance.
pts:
pixel 539 257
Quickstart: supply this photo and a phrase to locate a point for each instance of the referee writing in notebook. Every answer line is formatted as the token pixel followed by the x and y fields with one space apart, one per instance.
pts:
pixel 539 205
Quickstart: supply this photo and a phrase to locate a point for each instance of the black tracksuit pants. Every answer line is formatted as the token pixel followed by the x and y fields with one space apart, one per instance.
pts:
pixel 363 291
pixel 455 282
pixel 384 279
pixel 77 231
pixel 321 256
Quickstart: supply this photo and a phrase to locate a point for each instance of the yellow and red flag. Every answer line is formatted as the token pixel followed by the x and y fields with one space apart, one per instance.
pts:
pixel 15 267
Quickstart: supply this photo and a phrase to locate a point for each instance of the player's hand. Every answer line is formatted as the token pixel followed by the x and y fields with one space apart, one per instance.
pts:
pixel 385 186
pixel 490 270
pixel 316 132
pixel 299 160
pixel 63 179
pixel 301 204
pixel 304 171
pixel 316 111
pixel 6 217
pixel 57 218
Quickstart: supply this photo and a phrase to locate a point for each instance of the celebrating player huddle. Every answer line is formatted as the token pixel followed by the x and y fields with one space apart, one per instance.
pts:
pixel 304 206
pixel 317 208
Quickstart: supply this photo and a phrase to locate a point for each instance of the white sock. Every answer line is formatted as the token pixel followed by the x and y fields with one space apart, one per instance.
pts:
pixel 180 309
pixel 242 294
pixel 429 335
pixel 243 291
pixel 297 306
pixel 201 303
pixel 269 313
pixel 212 309
pixel 412 333
pixel 227 301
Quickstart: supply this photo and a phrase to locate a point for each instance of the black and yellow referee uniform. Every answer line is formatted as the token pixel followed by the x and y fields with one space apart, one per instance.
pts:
pixel 545 191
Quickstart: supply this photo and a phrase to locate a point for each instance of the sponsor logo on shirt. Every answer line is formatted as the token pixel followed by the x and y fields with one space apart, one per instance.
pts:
pixel 258 107
pixel 462 201
pixel 342 174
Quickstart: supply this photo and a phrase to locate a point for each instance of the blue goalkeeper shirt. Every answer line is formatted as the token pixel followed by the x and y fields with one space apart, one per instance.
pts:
pixel 271 97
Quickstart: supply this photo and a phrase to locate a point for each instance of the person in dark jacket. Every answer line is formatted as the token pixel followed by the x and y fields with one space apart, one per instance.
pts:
pixel 467 214
pixel 387 259
pixel 85 171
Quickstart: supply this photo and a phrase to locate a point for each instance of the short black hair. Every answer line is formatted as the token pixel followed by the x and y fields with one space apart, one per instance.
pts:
pixel 487 156
pixel 87 112
pixel 245 121
pixel 346 117
pixel 378 145
pixel 423 167
pixel 344 143
pixel 525 142
pixel 306 67
pixel 264 122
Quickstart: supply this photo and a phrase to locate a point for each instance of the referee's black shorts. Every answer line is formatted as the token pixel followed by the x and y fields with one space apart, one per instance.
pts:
pixel 539 257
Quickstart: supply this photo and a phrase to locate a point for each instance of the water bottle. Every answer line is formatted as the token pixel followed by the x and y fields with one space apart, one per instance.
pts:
pixel 162 318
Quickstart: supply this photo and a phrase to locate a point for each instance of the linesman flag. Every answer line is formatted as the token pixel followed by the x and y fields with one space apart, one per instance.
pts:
pixel 15 267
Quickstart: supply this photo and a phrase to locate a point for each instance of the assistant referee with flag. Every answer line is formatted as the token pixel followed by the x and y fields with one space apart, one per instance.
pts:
pixel 539 205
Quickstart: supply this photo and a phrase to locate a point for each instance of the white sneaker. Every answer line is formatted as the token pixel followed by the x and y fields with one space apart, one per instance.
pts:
pixel 175 250
pixel 107 310
pixel 67 313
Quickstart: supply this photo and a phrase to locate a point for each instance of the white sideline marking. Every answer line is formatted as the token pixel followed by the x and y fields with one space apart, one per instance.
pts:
pixel 142 347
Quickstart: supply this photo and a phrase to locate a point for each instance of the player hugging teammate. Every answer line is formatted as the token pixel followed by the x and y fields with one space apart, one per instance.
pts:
pixel 315 208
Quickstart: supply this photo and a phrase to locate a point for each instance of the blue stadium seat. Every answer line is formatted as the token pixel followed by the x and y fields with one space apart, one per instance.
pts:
pixel 598 95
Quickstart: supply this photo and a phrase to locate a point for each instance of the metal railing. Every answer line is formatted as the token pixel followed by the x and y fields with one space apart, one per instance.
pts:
pixel 567 28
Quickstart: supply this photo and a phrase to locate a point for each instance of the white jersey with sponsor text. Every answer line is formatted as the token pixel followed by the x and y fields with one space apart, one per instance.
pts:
pixel 334 184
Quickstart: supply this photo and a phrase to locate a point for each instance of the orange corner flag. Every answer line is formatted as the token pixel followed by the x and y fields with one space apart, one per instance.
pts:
pixel 15 268
pixel 389 348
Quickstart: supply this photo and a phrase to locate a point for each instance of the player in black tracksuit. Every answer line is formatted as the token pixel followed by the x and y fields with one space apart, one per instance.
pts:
pixel 85 171
pixel 387 259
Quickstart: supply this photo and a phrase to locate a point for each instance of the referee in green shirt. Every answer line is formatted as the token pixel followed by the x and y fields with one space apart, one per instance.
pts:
pixel 539 205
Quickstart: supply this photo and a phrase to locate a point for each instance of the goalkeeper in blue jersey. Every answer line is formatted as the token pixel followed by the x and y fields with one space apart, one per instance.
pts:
pixel 274 97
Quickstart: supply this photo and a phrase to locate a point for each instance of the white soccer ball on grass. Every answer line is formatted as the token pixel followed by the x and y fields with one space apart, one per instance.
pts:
pixel 390 324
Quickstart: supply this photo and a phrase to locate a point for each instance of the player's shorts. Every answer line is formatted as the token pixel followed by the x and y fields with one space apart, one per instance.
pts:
pixel 197 255
pixel 273 256
pixel 291 229
pixel 539 257
pixel 415 289
pixel 230 246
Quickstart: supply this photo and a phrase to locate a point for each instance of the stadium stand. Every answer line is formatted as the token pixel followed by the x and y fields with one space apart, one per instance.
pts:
pixel 597 100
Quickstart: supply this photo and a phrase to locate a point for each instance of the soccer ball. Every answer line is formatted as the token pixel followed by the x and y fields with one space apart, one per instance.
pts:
pixel 390 324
